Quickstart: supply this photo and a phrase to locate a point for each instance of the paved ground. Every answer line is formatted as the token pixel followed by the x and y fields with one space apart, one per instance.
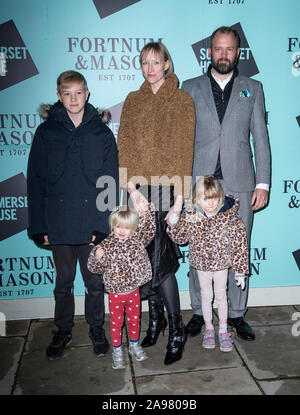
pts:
pixel 268 366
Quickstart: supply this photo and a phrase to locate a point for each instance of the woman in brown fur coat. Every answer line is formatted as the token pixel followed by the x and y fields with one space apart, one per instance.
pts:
pixel 155 142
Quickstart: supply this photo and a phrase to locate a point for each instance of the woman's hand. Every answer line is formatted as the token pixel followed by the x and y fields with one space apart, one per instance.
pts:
pixel 139 201
pixel 175 211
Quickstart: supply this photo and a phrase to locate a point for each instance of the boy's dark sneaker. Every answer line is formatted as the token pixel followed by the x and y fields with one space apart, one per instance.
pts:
pixel 61 339
pixel 99 341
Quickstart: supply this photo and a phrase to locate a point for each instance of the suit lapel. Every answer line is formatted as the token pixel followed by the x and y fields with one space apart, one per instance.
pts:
pixel 234 97
pixel 209 98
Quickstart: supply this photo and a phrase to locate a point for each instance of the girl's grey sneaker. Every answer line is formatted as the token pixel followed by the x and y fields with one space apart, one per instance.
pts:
pixel 118 359
pixel 136 350
pixel 209 339
pixel 225 342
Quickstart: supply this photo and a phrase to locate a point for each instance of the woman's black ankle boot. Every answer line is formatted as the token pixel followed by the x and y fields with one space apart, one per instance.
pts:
pixel 177 339
pixel 157 323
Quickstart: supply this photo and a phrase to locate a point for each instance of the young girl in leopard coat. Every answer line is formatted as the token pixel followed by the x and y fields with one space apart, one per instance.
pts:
pixel 217 241
pixel 124 263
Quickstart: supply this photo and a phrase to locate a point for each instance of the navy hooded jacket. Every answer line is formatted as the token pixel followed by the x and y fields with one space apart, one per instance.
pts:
pixel 64 165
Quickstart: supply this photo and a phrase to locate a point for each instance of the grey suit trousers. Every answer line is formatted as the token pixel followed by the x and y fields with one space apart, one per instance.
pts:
pixel 237 298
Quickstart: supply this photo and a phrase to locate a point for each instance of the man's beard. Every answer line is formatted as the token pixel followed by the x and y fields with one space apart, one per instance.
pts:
pixel 224 67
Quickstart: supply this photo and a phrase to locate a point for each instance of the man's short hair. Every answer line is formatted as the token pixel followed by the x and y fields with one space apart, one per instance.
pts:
pixel 69 77
pixel 226 30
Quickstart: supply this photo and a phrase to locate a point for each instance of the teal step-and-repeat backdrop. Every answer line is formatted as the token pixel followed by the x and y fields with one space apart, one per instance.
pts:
pixel 103 39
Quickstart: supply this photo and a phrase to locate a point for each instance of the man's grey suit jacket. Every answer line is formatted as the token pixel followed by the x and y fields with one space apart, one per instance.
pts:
pixel 232 137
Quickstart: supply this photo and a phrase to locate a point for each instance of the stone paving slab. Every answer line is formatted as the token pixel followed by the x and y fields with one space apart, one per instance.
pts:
pixel 281 387
pixel 255 316
pixel 10 352
pixel 195 357
pixel 232 381
pixel 186 316
pixel 269 365
pixel 80 331
pixel 274 353
pixel 17 327
pixel 266 316
pixel 77 372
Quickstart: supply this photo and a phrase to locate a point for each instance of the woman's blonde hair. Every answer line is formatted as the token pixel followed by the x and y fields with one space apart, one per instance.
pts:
pixel 160 49
pixel 125 217
pixel 207 186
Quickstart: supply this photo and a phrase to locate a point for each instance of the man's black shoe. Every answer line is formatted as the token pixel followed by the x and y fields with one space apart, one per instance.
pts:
pixel 193 328
pixel 60 341
pixel 99 341
pixel 243 330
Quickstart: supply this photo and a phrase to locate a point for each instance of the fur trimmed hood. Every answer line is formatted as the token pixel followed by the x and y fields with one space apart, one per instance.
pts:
pixel 45 110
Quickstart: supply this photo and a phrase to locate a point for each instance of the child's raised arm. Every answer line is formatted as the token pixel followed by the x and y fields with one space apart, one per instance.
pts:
pixel 180 232
pixel 174 213
pixel 138 199
pixel 147 227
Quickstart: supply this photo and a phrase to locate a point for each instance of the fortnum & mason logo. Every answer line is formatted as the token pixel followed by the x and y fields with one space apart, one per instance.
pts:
pixel 246 65
pixel 291 187
pixel 294 48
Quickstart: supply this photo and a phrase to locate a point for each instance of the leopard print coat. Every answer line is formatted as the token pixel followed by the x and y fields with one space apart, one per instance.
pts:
pixel 125 265
pixel 215 243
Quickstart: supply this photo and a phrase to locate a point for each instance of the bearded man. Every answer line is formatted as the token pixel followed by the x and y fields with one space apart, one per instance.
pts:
pixel 229 107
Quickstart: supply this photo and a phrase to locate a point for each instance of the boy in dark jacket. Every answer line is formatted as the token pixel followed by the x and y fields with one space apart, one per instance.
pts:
pixel 71 150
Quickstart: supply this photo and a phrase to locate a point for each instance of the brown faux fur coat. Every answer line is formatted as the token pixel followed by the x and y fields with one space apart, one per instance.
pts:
pixel 156 134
